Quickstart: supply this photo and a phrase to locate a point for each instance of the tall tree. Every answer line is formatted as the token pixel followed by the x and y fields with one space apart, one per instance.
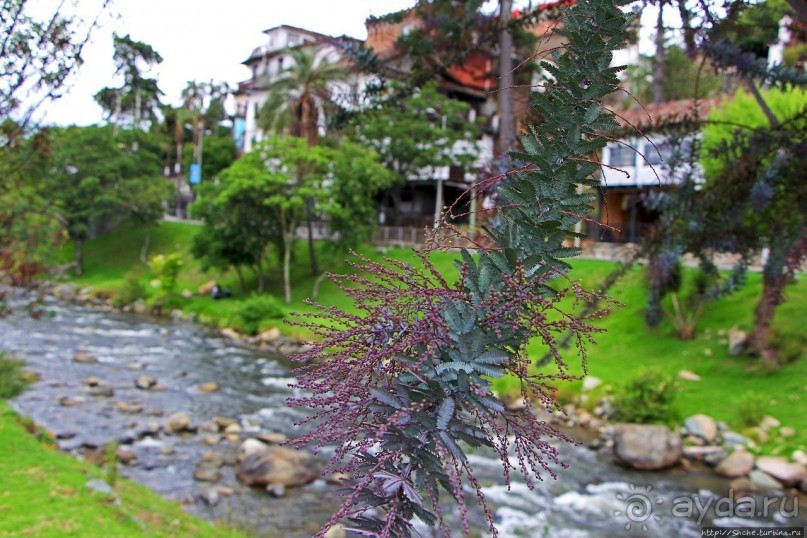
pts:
pixel 96 178
pixel 297 100
pixel 138 98
pixel 756 196
pixel 39 54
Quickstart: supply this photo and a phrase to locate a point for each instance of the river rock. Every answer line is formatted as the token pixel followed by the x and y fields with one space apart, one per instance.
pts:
pixel 702 426
pixel 211 440
pixel 211 457
pixel 211 496
pixel 704 452
pixel 790 474
pixel 225 490
pixel 787 431
pixel 269 335
pixel 64 291
pixel 210 386
pixel 276 490
pixel 84 358
pixel 270 438
pixel 232 334
pixel 99 486
pixel 733 440
pixel 178 422
pixel 763 481
pixel 100 391
pixel 743 485
pixel 140 307
pixel 206 472
pixel 687 375
pixel 66 401
pixel 94 381
pixel 126 456
pixel 251 446
pixel 646 447
pixel 768 423
pixel 145 382
pixel 278 465
pixel 590 383
pixel 223 422
pixel 133 407
pixel 207 427
pixel 800 457
pixel 738 341
pixel 233 429
pixel 740 463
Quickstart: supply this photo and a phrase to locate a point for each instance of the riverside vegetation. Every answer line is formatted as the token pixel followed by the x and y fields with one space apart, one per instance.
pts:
pixel 626 346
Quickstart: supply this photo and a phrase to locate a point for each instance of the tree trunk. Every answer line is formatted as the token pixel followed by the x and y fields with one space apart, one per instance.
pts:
pixel 507 120
pixel 241 278
pixel 661 58
pixel 772 288
pixel 287 243
pixel 261 279
pixel 312 251
pixel 79 250
pixel 145 248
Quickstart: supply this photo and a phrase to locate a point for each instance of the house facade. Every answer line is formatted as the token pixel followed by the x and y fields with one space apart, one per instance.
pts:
pixel 637 163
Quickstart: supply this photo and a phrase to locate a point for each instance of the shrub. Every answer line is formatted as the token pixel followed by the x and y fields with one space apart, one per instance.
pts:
pixel 646 399
pixel 166 269
pixel 130 291
pixel 751 408
pixel 256 309
pixel 12 377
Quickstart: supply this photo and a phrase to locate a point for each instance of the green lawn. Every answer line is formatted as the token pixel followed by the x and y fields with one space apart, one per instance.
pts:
pixel 43 493
pixel 621 353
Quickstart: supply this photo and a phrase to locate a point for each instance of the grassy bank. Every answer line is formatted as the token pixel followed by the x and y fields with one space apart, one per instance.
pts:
pixel 626 347
pixel 43 492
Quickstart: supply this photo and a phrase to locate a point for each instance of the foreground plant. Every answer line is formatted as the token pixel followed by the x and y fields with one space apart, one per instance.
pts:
pixel 403 388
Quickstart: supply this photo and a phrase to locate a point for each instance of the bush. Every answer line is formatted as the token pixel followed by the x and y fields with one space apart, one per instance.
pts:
pixel 751 408
pixel 12 377
pixel 130 291
pixel 647 399
pixel 256 309
pixel 166 269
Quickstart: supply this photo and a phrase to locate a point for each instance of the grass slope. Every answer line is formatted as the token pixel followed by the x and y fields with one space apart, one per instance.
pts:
pixel 43 494
pixel 626 347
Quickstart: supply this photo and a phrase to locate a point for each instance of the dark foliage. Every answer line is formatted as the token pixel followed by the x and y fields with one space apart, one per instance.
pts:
pixel 404 385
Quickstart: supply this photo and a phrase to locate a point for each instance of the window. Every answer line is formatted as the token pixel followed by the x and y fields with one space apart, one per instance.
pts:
pixel 651 153
pixel 294 39
pixel 621 156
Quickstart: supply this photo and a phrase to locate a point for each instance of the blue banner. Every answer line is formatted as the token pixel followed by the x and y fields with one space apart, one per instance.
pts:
pixel 195 174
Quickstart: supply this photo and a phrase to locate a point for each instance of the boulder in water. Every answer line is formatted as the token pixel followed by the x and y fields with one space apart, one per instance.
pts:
pixel 740 463
pixel 84 358
pixel 789 474
pixel 278 465
pixel 646 447
pixel 178 422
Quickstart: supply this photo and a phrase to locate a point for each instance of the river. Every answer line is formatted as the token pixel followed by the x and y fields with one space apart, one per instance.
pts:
pixel 591 498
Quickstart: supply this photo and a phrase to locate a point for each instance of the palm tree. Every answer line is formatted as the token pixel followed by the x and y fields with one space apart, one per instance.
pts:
pixel 301 93
pixel 297 98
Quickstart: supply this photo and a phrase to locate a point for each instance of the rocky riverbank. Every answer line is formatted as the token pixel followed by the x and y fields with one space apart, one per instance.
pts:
pixel 699 439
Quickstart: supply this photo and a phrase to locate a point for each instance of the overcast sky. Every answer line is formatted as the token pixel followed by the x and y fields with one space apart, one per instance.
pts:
pixel 198 39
